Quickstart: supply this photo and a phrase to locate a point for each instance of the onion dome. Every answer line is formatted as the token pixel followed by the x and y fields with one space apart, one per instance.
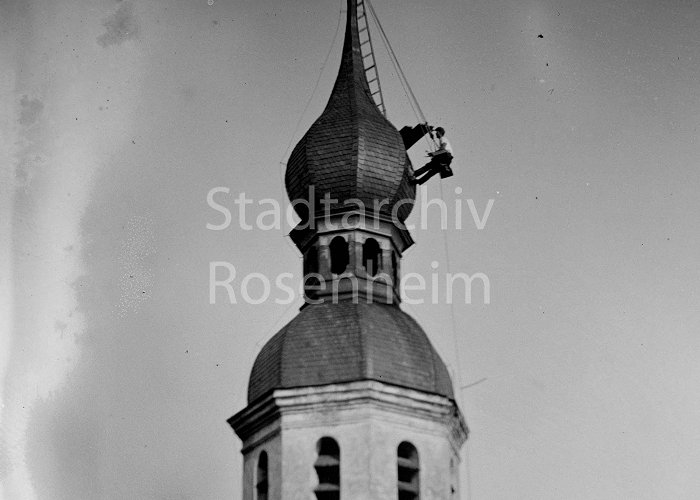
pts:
pixel 352 151
pixel 346 342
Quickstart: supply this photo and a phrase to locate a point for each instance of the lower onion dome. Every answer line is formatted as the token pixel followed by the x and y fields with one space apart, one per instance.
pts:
pixel 344 342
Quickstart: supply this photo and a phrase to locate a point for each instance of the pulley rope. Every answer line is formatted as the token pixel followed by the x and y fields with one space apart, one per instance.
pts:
pixel 395 61
pixel 313 91
pixel 410 96
pixel 452 307
pixel 306 107
pixel 421 117
pixel 415 106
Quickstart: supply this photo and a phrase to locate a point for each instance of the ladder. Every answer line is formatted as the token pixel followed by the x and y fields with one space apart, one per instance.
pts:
pixel 369 63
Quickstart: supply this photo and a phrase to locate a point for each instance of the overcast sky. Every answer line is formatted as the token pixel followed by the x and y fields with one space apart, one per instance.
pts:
pixel 579 119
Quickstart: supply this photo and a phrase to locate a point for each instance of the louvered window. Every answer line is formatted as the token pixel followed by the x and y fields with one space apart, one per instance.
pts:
pixel 327 467
pixel 409 472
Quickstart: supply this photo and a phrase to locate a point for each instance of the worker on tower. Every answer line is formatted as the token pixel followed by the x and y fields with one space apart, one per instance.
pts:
pixel 440 159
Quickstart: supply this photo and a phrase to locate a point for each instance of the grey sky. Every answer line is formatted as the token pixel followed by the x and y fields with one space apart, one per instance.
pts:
pixel 117 373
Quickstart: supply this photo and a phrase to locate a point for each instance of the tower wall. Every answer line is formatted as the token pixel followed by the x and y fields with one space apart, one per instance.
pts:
pixel 368 420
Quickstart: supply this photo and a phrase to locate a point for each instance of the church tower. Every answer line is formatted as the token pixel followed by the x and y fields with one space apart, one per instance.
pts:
pixel 350 400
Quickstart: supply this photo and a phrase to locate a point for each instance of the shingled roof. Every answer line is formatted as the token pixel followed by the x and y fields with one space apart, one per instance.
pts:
pixel 352 150
pixel 344 342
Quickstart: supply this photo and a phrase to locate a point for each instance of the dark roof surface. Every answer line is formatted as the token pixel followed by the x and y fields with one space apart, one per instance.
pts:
pixel 345 342
pixel 352 150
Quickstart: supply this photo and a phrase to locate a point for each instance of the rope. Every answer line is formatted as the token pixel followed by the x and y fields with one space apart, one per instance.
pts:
pixel 455 342
pixel 313 92
pixel 408 91
pixel 421 117
pixel 306 107
pixel 395 60
pixel 452 305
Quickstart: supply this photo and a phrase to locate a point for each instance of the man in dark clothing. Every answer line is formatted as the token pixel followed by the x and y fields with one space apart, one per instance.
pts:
pixel 440 160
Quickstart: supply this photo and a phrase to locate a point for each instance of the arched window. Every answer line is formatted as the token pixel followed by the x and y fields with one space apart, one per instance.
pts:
pixel 327 467
pixel 261 482
pixel 339 255
pixel 311 261
pixel 409 472
pixel 371 254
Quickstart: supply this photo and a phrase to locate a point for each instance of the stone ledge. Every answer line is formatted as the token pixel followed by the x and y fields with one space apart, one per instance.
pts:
pixel 348 398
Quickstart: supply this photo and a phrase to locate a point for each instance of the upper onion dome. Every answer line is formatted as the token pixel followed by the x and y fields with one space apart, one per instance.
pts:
pixel 351 151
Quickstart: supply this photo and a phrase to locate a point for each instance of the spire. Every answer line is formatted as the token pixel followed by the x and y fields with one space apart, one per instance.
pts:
pixel 351 82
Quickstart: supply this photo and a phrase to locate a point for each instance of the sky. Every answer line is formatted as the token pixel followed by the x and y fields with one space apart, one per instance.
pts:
pixel 578 379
